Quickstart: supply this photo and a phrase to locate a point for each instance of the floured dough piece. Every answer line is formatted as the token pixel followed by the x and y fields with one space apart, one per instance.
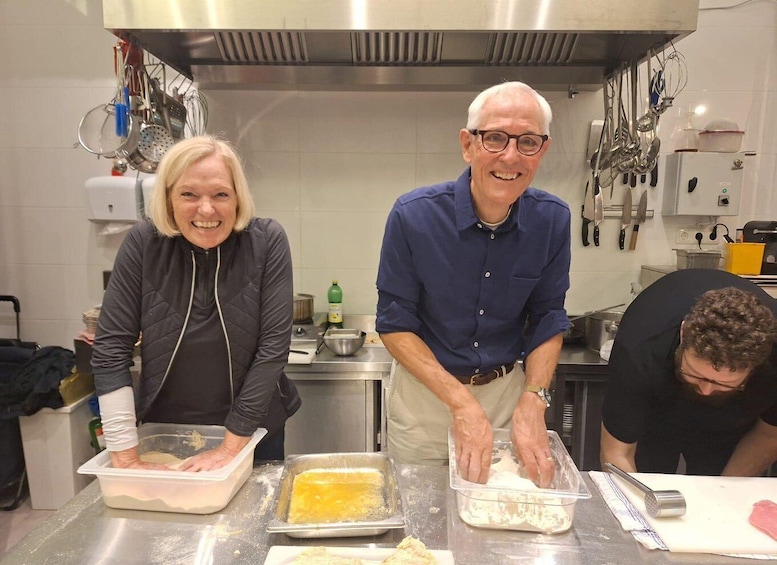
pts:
pixel 411 551
pixel 319 556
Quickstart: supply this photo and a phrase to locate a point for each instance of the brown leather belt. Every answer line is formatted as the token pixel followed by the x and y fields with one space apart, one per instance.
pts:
pixel 485 378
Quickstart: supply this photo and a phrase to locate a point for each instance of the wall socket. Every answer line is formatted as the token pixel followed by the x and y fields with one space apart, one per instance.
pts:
pixel 688 235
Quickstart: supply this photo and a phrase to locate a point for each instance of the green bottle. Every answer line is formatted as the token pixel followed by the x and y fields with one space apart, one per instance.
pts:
pixel 96 434
pixel 335 297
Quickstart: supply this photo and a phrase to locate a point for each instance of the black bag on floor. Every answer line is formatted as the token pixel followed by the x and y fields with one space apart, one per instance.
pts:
pixel 14 354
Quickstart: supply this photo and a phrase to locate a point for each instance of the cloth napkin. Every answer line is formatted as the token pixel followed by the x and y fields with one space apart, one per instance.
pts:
pixel 632 521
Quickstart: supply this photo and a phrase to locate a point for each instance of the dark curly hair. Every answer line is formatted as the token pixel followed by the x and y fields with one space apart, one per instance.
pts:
pixel 730 328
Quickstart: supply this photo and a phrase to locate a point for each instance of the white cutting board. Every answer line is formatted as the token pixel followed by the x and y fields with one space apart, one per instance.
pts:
pixel 716 518
pixel 285 555
pixel 299 358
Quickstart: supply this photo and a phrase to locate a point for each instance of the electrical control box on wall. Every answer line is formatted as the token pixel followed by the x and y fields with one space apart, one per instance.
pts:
pixel 703 184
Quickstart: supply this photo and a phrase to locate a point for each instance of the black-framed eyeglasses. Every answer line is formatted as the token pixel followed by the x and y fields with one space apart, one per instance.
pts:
pixel 495 141
pixel 740 387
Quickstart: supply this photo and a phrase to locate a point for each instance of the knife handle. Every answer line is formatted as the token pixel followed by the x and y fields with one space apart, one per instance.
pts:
pixel 596 235
pixel 633 242
pixel 654 175
pixel 622 239
pixel 586 243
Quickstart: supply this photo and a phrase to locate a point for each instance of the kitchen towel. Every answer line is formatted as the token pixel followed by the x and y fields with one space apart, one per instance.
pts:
pixel 716 520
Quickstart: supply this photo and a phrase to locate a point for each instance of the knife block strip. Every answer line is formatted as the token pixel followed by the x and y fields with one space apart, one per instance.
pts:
pixel 616 211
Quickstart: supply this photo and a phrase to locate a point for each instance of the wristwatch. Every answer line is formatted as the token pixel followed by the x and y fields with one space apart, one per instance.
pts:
pixel 539 391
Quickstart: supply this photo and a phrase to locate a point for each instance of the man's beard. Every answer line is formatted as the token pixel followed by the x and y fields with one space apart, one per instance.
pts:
pixel 690 390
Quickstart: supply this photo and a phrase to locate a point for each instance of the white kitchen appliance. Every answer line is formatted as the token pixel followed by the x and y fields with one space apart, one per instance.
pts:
pixel 703 184
pixel 113 199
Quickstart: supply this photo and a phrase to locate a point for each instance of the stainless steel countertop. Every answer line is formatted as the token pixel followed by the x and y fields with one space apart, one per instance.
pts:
pixel 369 359
pixel 86 531
pixel 375 358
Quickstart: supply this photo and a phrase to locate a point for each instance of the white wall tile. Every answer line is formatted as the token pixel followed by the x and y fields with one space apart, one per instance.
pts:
pixel 356 182
pixel 274 179
pixel 58 55
pixel 433 168
pixel 51 12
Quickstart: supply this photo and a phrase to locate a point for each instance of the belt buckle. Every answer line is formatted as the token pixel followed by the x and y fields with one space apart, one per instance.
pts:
pixel 480 379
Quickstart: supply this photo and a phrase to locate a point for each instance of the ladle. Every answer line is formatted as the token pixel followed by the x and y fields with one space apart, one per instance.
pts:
pixel 658 503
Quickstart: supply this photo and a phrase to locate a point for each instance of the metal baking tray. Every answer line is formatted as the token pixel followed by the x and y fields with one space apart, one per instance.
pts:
pixel 296 464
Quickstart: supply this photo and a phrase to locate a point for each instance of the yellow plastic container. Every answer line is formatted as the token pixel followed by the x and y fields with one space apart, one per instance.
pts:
pixel 744 258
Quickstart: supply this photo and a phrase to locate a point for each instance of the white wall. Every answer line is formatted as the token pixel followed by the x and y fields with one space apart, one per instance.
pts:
pixel 328 165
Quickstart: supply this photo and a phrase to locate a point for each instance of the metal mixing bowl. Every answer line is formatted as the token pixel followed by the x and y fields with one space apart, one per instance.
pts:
pixel 344 341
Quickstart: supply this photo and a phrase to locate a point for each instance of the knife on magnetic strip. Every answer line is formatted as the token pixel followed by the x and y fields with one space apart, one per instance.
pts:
pixel 625 218
pixel 598 209
pixel 640 219
pixel 588 211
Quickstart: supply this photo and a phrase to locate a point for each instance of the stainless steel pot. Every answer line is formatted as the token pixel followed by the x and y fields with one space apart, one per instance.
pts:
pixel 601 327
pixel 303 307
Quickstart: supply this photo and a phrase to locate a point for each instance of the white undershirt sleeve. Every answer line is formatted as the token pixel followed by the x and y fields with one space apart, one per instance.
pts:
pixel 117 412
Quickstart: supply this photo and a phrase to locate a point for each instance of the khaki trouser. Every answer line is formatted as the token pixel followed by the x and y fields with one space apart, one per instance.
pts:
pixel 418 421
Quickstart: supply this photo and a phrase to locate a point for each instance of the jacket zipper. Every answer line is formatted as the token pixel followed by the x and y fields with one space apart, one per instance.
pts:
pixel 185 322
pixel 223 326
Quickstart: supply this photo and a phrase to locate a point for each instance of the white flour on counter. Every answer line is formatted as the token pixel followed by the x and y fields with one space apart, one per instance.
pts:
pixel 515 506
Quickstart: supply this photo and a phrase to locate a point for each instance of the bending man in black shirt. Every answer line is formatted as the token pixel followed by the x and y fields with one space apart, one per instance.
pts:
pixel 692 373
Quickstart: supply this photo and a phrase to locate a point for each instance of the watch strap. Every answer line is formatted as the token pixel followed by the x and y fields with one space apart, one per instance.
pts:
pixel 540 391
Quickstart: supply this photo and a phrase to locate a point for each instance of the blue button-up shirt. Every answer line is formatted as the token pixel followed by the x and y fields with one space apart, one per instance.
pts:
pixel 478 298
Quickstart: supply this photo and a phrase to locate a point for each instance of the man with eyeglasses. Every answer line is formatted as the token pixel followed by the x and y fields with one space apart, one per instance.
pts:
pixel 472 278
pixel 693 373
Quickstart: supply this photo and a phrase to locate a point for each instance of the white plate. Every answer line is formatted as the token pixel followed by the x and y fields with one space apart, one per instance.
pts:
pixel 285 554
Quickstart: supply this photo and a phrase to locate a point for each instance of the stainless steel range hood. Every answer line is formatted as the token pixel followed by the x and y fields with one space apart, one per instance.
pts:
pixel 398 44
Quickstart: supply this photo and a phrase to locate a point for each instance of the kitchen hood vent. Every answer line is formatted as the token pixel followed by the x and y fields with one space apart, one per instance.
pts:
pixel 399 44
pixel 397 48
pixel 262 48
pixel 532 49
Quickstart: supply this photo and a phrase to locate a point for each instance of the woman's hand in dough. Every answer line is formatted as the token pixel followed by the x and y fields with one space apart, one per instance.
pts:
pixel 208 460
pixel 129 459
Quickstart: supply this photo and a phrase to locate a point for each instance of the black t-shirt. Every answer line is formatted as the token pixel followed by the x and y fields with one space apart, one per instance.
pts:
pixel 646 404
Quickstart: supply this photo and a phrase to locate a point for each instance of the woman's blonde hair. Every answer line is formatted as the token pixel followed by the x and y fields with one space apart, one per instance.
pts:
pixel 177 161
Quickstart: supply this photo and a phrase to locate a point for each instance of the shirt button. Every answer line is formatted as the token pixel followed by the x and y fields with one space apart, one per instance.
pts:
pixel 488 274
pixel 482 312
pixel 480 226
pixel 476 344
pixel 492 236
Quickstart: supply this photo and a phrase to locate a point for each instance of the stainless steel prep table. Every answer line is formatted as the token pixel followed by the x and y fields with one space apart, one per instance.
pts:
pixel 342 402
pixel 85 531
